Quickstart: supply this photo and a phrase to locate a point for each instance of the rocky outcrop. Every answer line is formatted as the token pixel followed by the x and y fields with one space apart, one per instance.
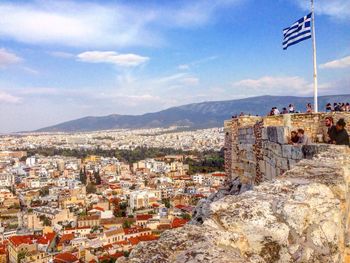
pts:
pixel 301 217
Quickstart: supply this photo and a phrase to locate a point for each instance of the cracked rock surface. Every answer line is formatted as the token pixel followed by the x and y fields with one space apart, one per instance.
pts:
pixel 298 218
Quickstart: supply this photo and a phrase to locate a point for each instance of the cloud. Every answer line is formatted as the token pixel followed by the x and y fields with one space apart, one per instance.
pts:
pixel 8 98
pixel 274 85
pixel 196 63
pixel 339 9
pixel 61 54
pixel 81 24
pixel 124 60
pixel 7 58
pixel 335 64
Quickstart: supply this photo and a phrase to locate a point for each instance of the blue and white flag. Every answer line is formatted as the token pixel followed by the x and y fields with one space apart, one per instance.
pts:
pixel 299 31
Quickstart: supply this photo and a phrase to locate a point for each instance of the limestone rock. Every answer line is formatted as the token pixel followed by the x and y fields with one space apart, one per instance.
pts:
pixel 298 218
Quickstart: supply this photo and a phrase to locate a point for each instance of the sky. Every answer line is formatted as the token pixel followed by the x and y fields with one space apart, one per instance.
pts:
pixel 61 60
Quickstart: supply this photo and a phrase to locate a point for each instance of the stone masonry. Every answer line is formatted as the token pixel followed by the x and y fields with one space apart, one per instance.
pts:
pixel 259 146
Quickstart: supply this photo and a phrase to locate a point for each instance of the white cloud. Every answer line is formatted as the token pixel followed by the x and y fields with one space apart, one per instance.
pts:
pixel 8 98
pixel 7 58
pixel 61 54
pixel 339 9
pixel 125 60
pixel 91 25
pixel 339 63
pixel 275 85
pixel 196 63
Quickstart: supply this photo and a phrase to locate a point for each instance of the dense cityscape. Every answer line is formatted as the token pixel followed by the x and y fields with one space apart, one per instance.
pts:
pixel 96 208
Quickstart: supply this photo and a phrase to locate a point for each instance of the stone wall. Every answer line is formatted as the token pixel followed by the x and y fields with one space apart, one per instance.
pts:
pixel 303 216
pixel 228 146
pixel 259 146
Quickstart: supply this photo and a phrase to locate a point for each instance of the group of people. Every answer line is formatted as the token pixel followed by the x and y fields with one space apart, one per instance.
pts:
pixel 333 134
pixel 336 134
pixel 276 111
pixel 338 106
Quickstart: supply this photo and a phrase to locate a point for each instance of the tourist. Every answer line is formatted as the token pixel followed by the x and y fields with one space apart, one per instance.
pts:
pixel 291 108
pixel 293 137
pixel 329 131
pixel 328 107
pixel 342 107
pixel 336 106
pixel 275 111
pixel 285 111
pixel 347 107
pixel 303 139
pixel 308 108
pixel 341 135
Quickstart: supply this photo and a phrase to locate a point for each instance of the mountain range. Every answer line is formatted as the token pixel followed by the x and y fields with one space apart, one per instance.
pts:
pixel 197 115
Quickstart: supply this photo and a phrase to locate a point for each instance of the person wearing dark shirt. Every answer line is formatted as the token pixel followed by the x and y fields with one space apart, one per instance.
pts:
pixel 293 137
pixel 329 131
pixel 341 136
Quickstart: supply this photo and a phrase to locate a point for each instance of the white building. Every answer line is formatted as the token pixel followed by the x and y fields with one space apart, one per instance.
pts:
pixel 143 198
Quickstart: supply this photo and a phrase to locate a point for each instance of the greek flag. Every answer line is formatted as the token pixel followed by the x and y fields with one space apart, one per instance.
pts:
pixel 299 31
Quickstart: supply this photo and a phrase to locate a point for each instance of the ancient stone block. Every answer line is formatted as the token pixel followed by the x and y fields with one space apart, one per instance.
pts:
pixel 297 153
pixel 272 134
pixel 287 151
pixel 264 134
pixel 282 135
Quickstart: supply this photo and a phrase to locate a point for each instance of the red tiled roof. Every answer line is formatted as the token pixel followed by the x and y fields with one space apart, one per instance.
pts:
pixel 113 256
pixel 19 240
pixel 46 239
pixel 178 222
pixel 97 208
pixel 163 226
pixel 185 208
pixel 65 257
pixel 66 237
pixel 143 217
pixel 135 240
pixel 124 242
pixel 219 174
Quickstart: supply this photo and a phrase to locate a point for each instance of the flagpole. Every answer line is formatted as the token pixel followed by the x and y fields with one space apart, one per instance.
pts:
pixel 314 56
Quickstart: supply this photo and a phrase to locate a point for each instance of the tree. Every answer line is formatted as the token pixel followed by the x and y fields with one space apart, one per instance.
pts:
pixel 97 177
pixel 91 189
pixel 166 202
pixel 186 216
pixel 82 176
pixel 126 224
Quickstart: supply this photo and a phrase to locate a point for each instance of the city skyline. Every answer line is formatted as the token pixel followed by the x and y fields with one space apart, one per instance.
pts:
pixel 61 60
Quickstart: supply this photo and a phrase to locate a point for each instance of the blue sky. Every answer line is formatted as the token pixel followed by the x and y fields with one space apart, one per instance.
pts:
pixel 61 60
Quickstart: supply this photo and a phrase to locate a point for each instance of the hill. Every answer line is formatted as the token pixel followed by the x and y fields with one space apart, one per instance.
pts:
pixel 196 115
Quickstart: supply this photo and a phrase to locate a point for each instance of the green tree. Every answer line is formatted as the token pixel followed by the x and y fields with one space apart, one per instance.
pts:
pixel 126 224
pixel 82 176
pixel 166 202
pixel 186 216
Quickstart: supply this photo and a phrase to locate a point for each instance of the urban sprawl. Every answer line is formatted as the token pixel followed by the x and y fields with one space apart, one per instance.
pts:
pixel 97 207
